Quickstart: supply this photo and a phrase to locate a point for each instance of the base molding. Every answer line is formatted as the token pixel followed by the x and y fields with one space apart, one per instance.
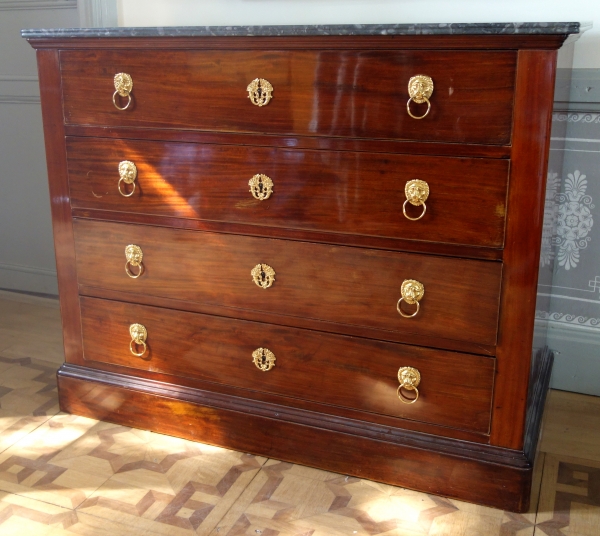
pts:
pixel 27 278
pixel 472 472
pixel 541 372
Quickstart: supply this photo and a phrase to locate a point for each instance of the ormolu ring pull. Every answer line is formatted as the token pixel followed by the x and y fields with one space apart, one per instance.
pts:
pixel 134 256
pixel 412 292
pixel 420 89
pixel 138 338
pixel 123 86
pixel 408 217
pixel 409 378
pixel 127 174
pixel 132 349
pixel 122 192
pixel 418 116
pixel 128 101
pixel 417 192
pixel 399 308
pixel 264 359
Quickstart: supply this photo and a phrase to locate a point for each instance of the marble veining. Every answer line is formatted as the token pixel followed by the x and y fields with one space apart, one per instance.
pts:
pixel 300 30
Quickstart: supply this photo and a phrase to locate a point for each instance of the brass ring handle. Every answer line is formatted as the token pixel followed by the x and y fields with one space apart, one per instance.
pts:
pixel 121 107
pixel 122 192
pixel 259 91
pixel 127 174
pixel 404 398
pixel 132 350
pixel 409 378
pixel 418 116
pixel 138 338
pixel 263 275
pixel 412 293
pixel 417 192
pixel 420 89
pixel 402 313
pixel 264 359
pixel 408 217
pixel 123 86
pixel 134 256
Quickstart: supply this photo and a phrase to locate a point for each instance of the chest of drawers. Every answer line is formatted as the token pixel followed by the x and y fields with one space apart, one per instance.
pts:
pixel 321 248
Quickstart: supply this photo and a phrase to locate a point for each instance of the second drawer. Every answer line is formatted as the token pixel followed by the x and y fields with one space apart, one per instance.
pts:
pixel 352 286
pixel 455 390
pixel 333 191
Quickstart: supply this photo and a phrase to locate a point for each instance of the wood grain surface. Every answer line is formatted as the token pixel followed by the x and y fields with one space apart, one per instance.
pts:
pixel 62 223
pixel 353 193
pixel 347 93
pixel 352 286
pixel 455 389
pixel 536 72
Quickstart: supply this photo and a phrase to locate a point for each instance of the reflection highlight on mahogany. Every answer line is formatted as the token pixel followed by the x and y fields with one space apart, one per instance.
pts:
pixel 167 192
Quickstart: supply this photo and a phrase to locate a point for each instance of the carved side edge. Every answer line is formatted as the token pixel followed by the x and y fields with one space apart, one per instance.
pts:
pixel 541 371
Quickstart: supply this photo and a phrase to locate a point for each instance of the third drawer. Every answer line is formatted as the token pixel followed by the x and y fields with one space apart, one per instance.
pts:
pixel 335 284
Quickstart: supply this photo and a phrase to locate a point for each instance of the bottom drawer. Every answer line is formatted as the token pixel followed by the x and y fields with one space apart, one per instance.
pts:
pixel 455 389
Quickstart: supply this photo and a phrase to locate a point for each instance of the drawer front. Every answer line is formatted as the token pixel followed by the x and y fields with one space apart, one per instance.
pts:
pixel 347 285
pixel 341 192
pixel 455 389
pixel 345 93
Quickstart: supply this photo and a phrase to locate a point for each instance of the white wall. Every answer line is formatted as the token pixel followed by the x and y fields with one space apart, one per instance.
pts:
pixel 251 12
pixel 26 245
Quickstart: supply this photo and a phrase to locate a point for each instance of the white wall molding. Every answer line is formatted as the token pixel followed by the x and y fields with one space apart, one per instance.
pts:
pixel 19 99
pixel 19 89
pixel 97 13
pixel 37 4
pixel 576 348
pixel 32 279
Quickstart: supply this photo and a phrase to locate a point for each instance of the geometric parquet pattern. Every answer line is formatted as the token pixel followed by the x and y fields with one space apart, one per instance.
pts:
pixel 64 475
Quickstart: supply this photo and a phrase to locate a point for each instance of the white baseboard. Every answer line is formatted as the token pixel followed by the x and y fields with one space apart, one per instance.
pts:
pixel 576 358
pixel 28 279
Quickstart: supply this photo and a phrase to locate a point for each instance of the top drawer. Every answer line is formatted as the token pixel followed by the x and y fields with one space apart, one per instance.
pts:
pixel 346 93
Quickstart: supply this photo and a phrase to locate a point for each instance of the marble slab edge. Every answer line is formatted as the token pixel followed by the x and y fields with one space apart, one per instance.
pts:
pixel 523 28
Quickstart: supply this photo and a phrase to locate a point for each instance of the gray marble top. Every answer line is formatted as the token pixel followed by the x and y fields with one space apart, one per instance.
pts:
pixel 338 29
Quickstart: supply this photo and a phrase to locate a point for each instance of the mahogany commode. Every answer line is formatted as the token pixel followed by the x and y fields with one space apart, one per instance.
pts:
pixel 318 244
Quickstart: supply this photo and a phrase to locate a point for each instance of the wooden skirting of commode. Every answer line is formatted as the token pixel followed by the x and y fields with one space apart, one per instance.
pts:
pixel 415 461
pixel 319 244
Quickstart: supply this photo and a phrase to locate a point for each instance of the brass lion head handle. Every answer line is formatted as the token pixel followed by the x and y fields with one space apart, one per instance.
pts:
pixel 264 359
pixel 417 192
pixel 420 89
pixel 123 86
pixel 412 293
pixel 260 91
pixel 263 275
pixel 138 338
pixel 127 175
pixel 134 256
pixel 261 187
pixel 409 379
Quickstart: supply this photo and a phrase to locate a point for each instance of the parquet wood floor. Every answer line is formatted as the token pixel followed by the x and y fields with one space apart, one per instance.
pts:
pixel 63 475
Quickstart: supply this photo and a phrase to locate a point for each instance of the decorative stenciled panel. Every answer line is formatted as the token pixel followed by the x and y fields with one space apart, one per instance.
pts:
pixel 571 242
pixel 569 289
